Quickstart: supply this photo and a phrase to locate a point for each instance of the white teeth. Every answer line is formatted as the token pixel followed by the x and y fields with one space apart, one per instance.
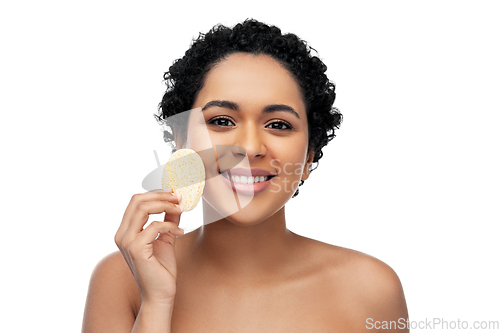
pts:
pixel 246 180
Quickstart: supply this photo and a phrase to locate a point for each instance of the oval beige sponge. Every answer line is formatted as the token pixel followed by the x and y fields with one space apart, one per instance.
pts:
pixel 184 173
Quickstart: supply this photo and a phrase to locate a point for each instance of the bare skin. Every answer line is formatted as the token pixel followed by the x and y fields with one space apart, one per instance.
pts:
pixel 246 272
pixel 323 288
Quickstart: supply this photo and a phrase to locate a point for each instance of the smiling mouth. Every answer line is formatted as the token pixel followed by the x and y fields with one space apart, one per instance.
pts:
pixel 245 179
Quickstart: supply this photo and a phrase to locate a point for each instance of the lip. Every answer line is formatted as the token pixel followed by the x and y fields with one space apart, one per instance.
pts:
pixel 249 172
pixel 248 189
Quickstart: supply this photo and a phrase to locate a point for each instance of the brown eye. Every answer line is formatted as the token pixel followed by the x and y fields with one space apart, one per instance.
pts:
pixel 279 125
pixel 221 121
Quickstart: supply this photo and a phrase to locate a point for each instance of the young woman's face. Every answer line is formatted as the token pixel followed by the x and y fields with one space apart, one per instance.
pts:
pixel 255 116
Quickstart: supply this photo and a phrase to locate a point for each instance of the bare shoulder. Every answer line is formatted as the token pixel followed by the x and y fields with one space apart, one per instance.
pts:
pixel 112 297
pixel 369 273
pixel 113 270
pixel 369 289
pixel 111 262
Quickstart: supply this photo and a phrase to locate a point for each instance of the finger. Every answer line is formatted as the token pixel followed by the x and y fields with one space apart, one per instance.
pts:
pixel 135 201
pixel 175 218
pixel 143 242
pixel 140 218
pixel 144 209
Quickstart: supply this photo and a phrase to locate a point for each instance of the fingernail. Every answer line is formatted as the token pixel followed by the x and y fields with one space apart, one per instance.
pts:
pixel 180 207
pixel 179 196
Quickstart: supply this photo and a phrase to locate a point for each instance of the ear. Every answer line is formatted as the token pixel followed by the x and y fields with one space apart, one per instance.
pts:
pixel 308 164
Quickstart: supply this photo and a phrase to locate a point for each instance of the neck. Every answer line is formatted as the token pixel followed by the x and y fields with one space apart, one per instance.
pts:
pixel 244 250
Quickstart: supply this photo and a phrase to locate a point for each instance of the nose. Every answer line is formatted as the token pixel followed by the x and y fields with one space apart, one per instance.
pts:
pixel 250 141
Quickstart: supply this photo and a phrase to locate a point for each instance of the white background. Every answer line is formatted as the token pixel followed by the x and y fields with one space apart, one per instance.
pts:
pixel 412 177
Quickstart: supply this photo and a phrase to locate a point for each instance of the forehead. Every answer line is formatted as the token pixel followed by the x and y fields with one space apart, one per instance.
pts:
pixel 252 79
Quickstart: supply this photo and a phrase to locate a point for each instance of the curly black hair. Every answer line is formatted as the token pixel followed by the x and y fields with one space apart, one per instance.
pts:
pixel 185 78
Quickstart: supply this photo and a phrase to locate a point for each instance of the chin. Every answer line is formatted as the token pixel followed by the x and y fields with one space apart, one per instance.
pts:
pixel 256 213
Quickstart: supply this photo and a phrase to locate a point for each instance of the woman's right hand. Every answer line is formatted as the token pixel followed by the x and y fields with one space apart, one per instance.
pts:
pixel 151 258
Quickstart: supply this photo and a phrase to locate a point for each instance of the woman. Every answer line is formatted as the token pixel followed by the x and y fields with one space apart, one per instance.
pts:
pixel 264 97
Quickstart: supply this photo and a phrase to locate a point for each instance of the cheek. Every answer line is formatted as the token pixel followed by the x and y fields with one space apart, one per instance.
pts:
pixel 291 161
pixel 221 138
pixel 293 150
pixel 197 137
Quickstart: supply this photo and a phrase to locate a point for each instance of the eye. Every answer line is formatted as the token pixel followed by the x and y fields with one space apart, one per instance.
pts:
pixel 279 125
pixel 221 121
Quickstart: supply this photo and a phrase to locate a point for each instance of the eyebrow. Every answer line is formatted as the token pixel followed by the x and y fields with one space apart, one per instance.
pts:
pixel 234 106
pixel 222 104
